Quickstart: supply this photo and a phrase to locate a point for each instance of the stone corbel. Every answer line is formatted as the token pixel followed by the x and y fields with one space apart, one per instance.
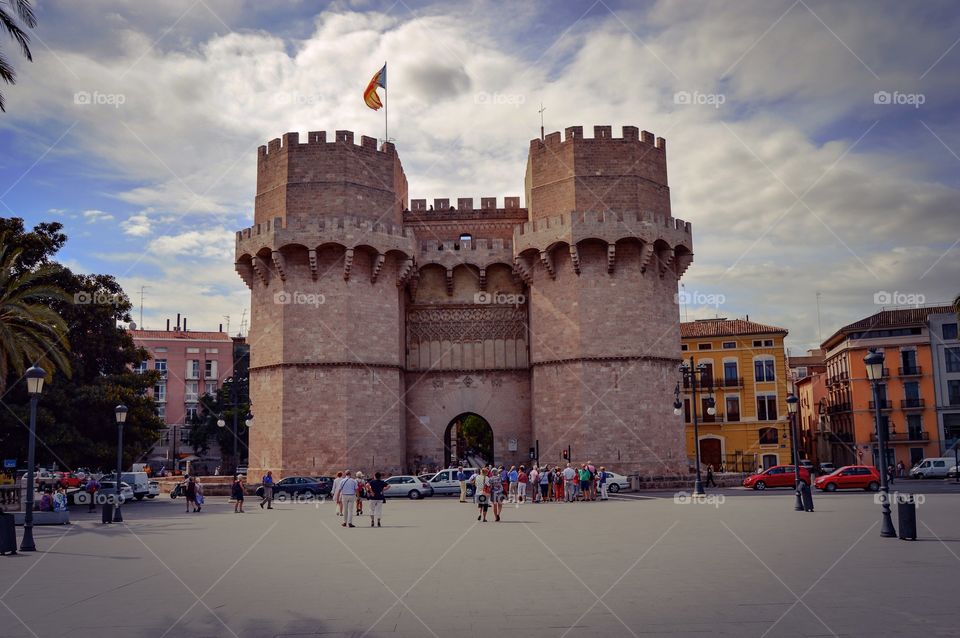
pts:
pixel 245 270
pixel 547 260
pixel 377 266
pixel 406 270
pixel 449 282
pixel 682 263
pixel 666 260
pixel 611 258
pixel 520 269
pixel 279 264
pixel 646 253
pixel 575 259
pixel 260 267
pixel 483 279
pixel 347 263
pixel 314 270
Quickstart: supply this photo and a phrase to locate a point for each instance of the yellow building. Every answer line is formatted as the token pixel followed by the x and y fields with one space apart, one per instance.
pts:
pixel 745 374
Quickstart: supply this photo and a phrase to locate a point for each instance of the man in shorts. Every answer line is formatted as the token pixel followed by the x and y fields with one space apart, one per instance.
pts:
pixel 377 488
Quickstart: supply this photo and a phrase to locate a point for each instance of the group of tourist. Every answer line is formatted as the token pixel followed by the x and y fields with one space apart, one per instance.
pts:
pixel 349 493
pixel 495 485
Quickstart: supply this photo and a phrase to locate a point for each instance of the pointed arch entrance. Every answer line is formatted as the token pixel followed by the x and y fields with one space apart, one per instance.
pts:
pixel 469 439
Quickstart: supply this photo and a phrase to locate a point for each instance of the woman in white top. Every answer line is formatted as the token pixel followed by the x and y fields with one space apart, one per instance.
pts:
pixel 482 491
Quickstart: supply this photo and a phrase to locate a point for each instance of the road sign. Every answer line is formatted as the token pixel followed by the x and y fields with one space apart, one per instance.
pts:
pixel 9 464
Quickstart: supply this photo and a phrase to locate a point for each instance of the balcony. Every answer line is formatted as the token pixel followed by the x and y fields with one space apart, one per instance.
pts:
pixel 729 382
pixel 837 408
pixel 903 437
pixel 910 371
pixel 884 405
pixel 911 404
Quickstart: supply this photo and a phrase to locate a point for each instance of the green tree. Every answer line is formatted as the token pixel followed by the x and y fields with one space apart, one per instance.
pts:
pixel 75 419
pixel 214 407
pixel 22 13
pixel 31 331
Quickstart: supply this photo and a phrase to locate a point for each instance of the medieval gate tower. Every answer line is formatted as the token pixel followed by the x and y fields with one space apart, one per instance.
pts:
pixel 377 321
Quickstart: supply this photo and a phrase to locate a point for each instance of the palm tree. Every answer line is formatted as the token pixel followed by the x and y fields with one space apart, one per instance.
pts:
pixel 23 11
pixel 30 330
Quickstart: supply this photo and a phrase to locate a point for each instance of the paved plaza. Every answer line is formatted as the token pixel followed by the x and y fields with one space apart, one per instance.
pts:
pixel 741 565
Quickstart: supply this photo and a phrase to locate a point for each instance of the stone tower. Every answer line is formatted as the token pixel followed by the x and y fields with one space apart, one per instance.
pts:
pixel 601 256
pixel 377 327
pixel 322 261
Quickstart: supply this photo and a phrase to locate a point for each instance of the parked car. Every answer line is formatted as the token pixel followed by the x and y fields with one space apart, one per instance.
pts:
pixel 806 464
pixel 410 486
pixel 617 482
pixel 242 470
pixel 445 481
pixel 138 480
pixel 827 468
pixel 154 489
pixel 71 480
pixel 932 468
pixel 291 486
pixel 953 472
pixel 776 476
pixel 109 487
pixel 850 477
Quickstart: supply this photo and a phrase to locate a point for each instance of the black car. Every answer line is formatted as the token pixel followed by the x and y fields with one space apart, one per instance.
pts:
pixel 291 486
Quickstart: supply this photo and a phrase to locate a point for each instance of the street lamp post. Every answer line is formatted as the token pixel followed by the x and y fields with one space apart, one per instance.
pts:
pixel 874 365
pixel 956 461
pixel 120 412
pixel 792 402
pixel 35 376
pixel 689 372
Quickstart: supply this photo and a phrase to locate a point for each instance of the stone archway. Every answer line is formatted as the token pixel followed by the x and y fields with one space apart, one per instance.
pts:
pixel 468 438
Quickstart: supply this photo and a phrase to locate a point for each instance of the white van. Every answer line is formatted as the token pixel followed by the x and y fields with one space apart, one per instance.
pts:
pixel 932 468
pixel 139 482
pixel 445 481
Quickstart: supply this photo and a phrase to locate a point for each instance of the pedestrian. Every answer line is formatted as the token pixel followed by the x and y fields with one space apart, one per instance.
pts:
pixel 347 495
pixel 544 480
pixel 336 493
pixel 593 480
pixel 505 477
pixel 91 488
pixel 236 492
pixel 46 501
pixel 569 483
pixel 60 500
pixel 558 484
pixel 890 474
pixel 522 479
pixel 584 482
pixel 710 481
pixel 462 479
pixel 602 478
pixel 377 497
pixel 512 477
pixel 361 492
pixel 199 498
pixel 483 493
pixel 901 469
pixel 267 482
pixel 496 494
pixel 191 493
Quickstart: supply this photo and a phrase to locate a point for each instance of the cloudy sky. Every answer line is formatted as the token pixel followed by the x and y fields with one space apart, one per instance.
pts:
pixel 814 145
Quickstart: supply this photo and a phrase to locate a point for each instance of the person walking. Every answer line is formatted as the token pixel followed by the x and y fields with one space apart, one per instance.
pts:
pixel 267 481
pixel 347 495
pixel 198 499
pixel 544 480
pixel 190 491
pixel 710 481
pixel 496 494
pixel 462 479
pixel 901 469
pixel 512 477
pixel 522 479
pixel 236 492
pixel 361 492
pixel 602 478
pixel 376 489
pixel 92 488
pixel 593 480
pixel 483 493
pixel 336 493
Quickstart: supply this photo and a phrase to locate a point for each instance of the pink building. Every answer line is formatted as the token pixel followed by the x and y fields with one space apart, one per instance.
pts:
pixel 193 363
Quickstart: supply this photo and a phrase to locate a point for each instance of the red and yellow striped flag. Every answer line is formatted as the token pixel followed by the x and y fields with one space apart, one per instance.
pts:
pixel 370 94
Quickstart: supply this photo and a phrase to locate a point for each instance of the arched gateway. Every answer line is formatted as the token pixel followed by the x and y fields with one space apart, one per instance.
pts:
pixel 468 439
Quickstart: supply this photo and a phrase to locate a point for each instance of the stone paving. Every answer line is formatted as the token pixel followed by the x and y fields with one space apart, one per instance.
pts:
pixel 636 566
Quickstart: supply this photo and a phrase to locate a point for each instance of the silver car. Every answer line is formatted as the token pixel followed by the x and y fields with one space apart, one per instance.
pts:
pixel 445 481
pixel 410 486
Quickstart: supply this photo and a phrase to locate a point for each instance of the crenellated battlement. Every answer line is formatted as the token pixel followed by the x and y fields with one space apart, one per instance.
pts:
pixel 603 218
pixel 464 204
pixel 317 140
pixel 466 246
pixel 601 133
pixel 322 224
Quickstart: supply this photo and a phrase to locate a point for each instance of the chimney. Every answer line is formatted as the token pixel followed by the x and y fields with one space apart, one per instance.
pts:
pixel 221 328
pixel 184 324
pixel 178 322
pixel 168 325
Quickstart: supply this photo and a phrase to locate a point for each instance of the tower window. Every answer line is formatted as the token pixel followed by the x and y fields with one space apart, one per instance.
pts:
pixel 466 237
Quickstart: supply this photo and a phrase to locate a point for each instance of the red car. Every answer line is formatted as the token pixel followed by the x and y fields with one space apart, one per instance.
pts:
pixel 70 480
pixel 850 477
pixel 776 476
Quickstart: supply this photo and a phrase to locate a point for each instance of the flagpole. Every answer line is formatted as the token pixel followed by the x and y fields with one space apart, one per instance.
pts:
pixel 386 136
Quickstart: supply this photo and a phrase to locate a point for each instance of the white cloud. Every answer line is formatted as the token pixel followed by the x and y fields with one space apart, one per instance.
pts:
pixel 136 225
pixel 93 216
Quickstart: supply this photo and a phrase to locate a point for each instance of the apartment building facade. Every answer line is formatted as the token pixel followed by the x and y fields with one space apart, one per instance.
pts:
pixel 746 378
